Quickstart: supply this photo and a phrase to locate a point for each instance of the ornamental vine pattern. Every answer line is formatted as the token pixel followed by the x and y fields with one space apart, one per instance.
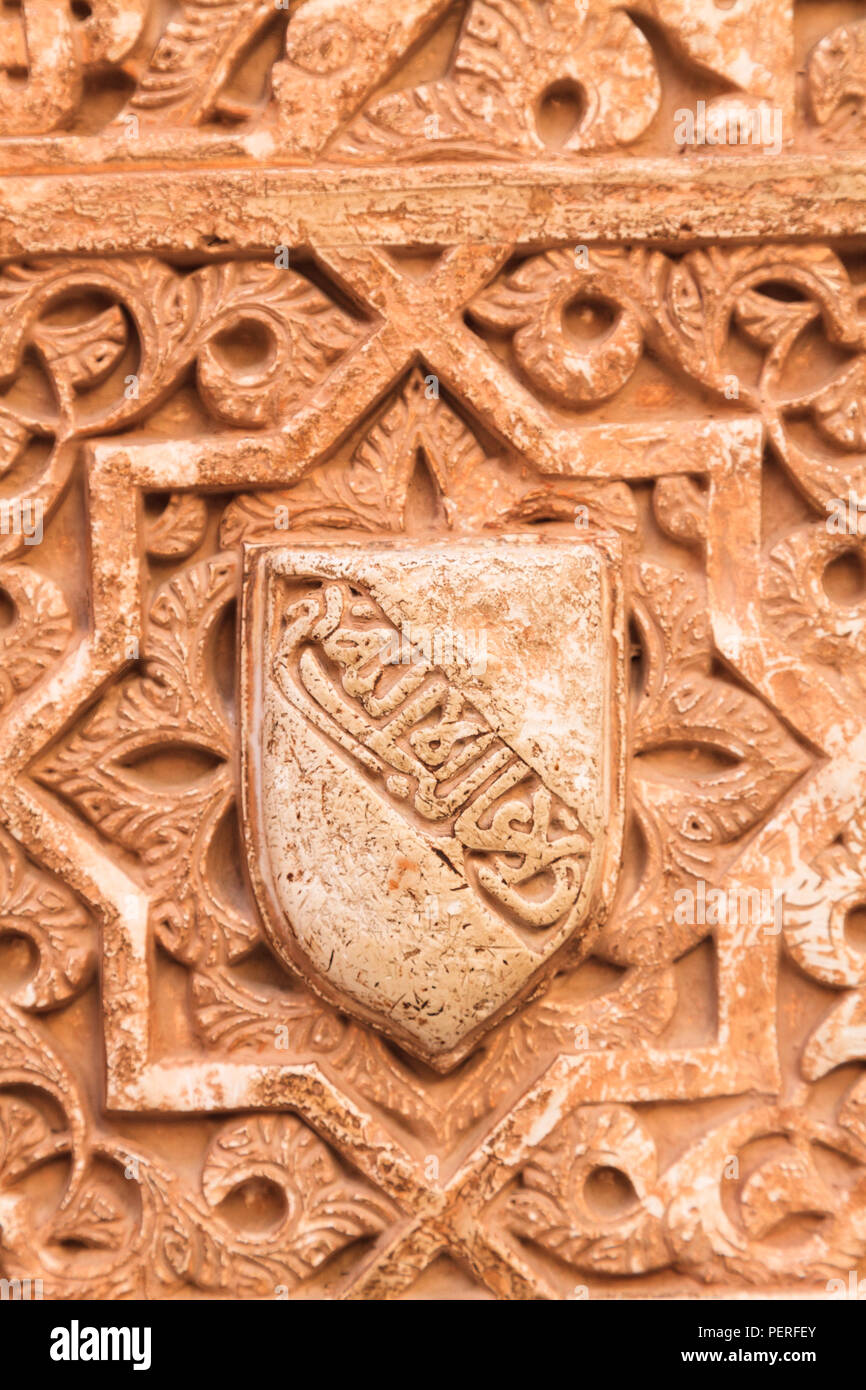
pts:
pixel 677 1106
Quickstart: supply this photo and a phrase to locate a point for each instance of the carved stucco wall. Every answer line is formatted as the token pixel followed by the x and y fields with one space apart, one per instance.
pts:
pixel 355 284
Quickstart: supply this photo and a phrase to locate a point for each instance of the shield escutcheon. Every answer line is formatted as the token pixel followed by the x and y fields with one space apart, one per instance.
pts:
pixel 433 767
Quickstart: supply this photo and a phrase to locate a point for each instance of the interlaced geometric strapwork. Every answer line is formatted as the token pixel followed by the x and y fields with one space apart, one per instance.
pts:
pixel 431 648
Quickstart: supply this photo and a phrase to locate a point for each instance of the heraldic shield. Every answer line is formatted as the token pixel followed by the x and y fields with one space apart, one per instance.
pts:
pixel 433 771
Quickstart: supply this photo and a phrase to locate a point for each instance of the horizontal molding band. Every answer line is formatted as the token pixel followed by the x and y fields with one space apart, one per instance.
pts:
pixel 212 209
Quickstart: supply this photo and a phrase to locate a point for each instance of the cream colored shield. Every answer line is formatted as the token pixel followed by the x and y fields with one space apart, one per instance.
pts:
pixel 433 766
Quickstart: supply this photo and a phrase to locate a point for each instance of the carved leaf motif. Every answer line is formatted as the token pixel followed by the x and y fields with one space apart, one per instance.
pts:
pixel 52 91
pixel 376 1073
pixel 836 76
pixel 839 1038
pixel 683 312
pixel 551 1208
pixel 693 301
pixel 237 1018
pixel 816 936
pixel 796 603
pixel 692 305
pixel 177 1239
pixel 14 435
pixel 25 1139
pixel 509 53
pixel 80 356
pixel 370 492
pixel 782 1187
pixel 681 1217
pixel 174 698
pixel 304 332
pixel 174 708
pixel 512 52
pixel 39 633
pixel 94 1218
pixel 769 322
pixel 852 1112
pixel 36 906
pixel 26 293
pixel 194 58
pixel 324 1210
pixel 587 504
pixel 179 529
pixel 531 303
pixel 636 1011
pixel 839 409
pixel 814 919
pixel 185 1250
pixel 28 1059
pixel 234 1017
pixel 178 320
pixel 710 1241
pixel 721 806
pixel 680 508
pixel 683 702
pixel 686 814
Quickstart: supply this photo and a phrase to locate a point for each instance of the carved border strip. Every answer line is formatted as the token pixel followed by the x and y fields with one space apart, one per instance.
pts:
pixel 204 209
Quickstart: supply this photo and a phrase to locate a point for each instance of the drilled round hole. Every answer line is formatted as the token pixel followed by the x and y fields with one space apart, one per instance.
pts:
pixel 245 349
pixel 588 320
pixel 560 112
pixel 855 927
pixel 255 1205
pixel 170 766
pixel 845 578
pixel 781 291
pixel 608 1192
pixel 7 610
